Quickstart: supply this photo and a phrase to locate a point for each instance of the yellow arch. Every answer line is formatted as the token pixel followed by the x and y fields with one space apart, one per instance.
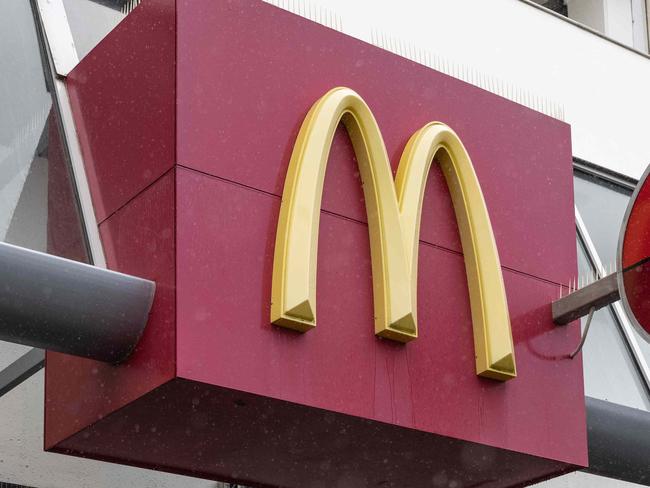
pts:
pixel 491 322
pixel 294 268
pixel 394 210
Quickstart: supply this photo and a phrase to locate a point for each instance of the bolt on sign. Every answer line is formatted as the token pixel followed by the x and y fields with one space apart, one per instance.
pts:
pixel 246 184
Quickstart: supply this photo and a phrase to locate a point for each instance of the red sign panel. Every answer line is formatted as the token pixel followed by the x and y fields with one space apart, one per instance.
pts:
pixel 187 147
pixel 634 258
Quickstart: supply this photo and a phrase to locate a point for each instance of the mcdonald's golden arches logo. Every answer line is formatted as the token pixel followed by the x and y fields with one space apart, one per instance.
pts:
pixel 394 210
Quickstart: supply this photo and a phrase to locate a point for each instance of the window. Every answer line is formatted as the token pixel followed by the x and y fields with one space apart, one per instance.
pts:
pixel 38 207
pixel 624 21
pixel 615 357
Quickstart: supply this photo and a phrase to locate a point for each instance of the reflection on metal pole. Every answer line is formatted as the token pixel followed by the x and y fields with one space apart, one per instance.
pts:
pixel 66 306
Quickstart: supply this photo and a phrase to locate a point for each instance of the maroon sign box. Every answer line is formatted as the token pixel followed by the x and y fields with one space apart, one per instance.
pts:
pixel 187 114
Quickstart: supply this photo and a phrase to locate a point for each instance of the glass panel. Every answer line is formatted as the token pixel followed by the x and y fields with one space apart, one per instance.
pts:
pixel 602 207
pixel 91 20
pixel 609 370
pixel 38 208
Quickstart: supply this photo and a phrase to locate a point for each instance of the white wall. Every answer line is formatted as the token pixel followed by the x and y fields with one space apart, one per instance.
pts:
pixel 603 88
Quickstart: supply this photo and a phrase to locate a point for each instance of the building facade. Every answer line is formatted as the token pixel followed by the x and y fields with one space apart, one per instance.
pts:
pixel 584 63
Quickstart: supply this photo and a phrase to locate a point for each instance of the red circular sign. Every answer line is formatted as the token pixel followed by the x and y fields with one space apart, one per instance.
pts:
pixel 634 258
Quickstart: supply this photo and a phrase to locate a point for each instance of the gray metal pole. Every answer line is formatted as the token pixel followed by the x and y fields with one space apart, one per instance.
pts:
pixel 62 305
pixel 619 445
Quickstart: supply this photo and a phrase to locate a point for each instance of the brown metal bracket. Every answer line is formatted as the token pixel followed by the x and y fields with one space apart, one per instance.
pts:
pixel 597 295
pixel 592 297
